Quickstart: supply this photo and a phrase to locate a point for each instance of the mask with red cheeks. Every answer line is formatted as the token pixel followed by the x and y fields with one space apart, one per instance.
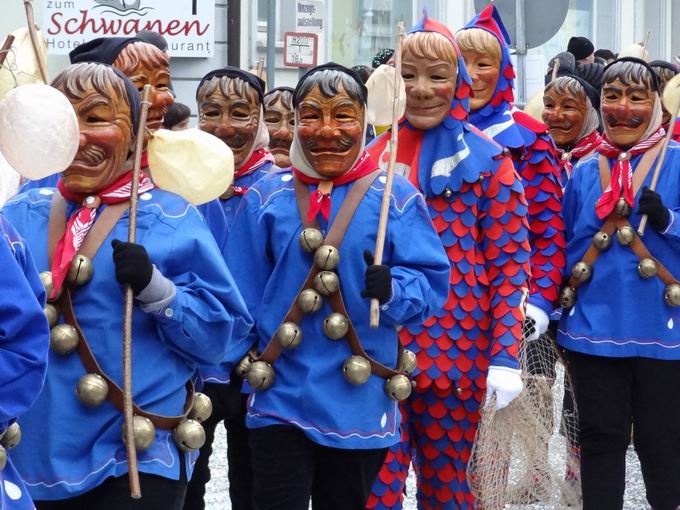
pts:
pixel 626 111
pixel 330 131
pixel 280 120
pixel 564 115
pixel 482 53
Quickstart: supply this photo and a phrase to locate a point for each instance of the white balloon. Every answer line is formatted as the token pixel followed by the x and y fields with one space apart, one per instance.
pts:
pixel 9 181
pixel 380 87
pixel 39 131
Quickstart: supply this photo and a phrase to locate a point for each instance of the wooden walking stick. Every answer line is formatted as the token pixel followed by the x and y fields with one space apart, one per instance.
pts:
pixel 133 473
pixel 555 69
pixel 385 205
pixel 30 19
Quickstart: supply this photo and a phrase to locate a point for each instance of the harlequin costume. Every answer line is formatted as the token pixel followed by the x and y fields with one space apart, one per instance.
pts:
pixel 475 200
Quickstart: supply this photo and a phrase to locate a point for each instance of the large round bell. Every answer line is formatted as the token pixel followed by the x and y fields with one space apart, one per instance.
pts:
pixel 46 279
pixel 52 314
pixel 326 282
pixel 625 235
pixel 582 271
pixel 309 301
pixel 63 339
pixel 602 240
pixel 289 335
pixel 356 370
pixel 92 390
pixel 189 435
pixel 202 408
pixel 568 297
pixel 3 458
pixel 672 295
pixel 622 208
pixel 647 268
pixel 244 365
pixel 261 375
pixel 145 433
pixel 327 257
pixel 81 270
pixel 407 362
pixel 398 387
pixel 311 239
pixel 335 326
pixel 12 436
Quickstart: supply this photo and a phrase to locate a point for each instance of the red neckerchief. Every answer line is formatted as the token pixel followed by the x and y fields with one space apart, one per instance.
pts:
pixel 256 161
pixel 621 184
pixel 582 148
pixel 81 222
pixel 320 200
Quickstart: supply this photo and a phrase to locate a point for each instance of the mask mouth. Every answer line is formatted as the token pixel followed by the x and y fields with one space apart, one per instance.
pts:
pixel 236 142
pixel 339 147
pixel 90 156
pixel 633 122
pixel 279 143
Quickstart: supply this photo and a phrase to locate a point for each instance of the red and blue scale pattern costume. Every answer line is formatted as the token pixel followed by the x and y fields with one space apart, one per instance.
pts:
pixel 475 201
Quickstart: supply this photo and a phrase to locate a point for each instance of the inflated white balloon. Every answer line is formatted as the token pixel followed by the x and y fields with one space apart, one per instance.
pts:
pixel 636 51
pixel 9 181
pixel 39 131
pixel 380 87
pixel 196 165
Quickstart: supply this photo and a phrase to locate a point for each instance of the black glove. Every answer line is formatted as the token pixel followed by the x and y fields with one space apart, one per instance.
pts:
pixel 652 205
pixel 378 280
pixel 132 265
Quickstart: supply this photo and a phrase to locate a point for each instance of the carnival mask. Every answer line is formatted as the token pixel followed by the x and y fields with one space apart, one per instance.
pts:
pixel 234 120
pixel 484 71
pixel 430 89
pixel 280 121
pixel 564 115
pixel 626 111
pixel 330 131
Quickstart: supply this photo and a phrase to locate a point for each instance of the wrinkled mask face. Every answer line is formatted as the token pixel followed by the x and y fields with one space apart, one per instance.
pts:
pixel 430 89
pixel 234 120
pixel 280 123
pixel 105 141
pixel 626 111
pixel 484 71
pixel 161 98
pixel 330 131
pixel 564 115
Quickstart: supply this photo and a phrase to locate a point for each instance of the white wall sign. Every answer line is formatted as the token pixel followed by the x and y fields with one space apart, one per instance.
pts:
pixel 311 17
pixel 187 25
pixel 300 49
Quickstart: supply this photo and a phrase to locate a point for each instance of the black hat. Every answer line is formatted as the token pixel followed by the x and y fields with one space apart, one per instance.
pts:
pixel 580 47
pixel 280 89
pixel 664 64
pixel 332 66
pixel 234 72
pixel 104 50
pixel 382 57
pixel 153 38
pixel 634 60
pixel 592 73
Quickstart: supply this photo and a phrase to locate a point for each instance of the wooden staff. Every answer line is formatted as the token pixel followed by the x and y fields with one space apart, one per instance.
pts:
pixel 259 69
pixel 133 473
pixel 644 43
pixel 28 4
pixel 556 68
pixel 385 205
pixel 6 47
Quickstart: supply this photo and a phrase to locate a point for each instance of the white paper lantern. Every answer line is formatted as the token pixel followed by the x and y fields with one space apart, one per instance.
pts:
pixel 196 165
pixel 380 87
pixel 9 181
pixel 21 65
pixel 39 131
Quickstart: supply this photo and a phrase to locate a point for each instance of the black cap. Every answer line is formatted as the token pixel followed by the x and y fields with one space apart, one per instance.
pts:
pixel 592 73
pixel 382 57
pixel 664 64
pixel 634 60
pixel 580 47
pixel 234 72
pixel 104 50
pixel 280 89
pixel 153 38
pixel 332 66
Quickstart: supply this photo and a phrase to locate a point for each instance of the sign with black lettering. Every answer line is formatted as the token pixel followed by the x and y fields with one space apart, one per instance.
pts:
pixel 300 49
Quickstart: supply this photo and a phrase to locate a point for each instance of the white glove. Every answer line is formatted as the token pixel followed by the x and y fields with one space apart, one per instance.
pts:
pixel 505 382
pixel 541 321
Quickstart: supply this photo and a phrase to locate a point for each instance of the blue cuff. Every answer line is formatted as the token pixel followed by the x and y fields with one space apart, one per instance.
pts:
pixel 540 302
pixel 502 359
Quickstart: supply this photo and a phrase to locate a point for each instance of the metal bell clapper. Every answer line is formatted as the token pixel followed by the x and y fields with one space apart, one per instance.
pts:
pixel 398 387
pixel 622 208
pixel 80 271
pixel 568 297
pixel 52 314
pixel 63 339
pixel 202 408
pixel 647 268
pixel 46 279
pixel 335 326
pixel 261 375
pixel 145 433
pixel 244 365
pixel 672 295
pixel 289 335
pixel 602 241
pixel 407 362
pixel 356 370
pixel 327 257
pixel 326 283
pixel 12 436
pixel 309 301
pixel 625 235
pixel 92 390
pixel 189 435
pixel 311 239
pixel 582 271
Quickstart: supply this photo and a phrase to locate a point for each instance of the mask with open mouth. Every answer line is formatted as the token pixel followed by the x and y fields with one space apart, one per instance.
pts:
pixel 564 114
pixel 280 120
pixel 627 111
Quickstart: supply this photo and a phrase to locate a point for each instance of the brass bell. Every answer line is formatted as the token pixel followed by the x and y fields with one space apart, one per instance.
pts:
pixel 81 270
pixel 145 433
pixel 326 282
pixel 327 257
pixel 625 235
pixel 448 193
pixel 335 326
pixel 289 335
pixel 622 208
pixel 46 279
pixel 647 268
pixel 63 339
pixel 202 408
pixel 356 370
pixel 568 297
pixel 398 387
pixel 407 362
pixel 3 458
pixel 189 435
pixel 311 239
pixel 602 240
pixel 244 365
pixel 92 390
pixel 672 295
pixel 261 375
pixel 52 314
pixel 582 271
pixel 309 301
pixel 12 436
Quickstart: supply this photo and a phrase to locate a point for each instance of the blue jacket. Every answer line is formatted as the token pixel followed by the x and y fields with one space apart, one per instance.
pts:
pixel 24 345
pixel 69 449
pixel 310 391
pixel 618 313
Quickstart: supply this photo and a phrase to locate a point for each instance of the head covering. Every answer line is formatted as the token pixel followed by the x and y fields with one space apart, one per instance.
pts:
pixel 153 38
pixel 104 50
pixel 580 47
pixel 567 66
pixel 382 57
pixel 664 64
pixel 635 60
pixel 332 66
pixel 234 72
pixel 591 73
pixel 132 95
pixel 280 89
